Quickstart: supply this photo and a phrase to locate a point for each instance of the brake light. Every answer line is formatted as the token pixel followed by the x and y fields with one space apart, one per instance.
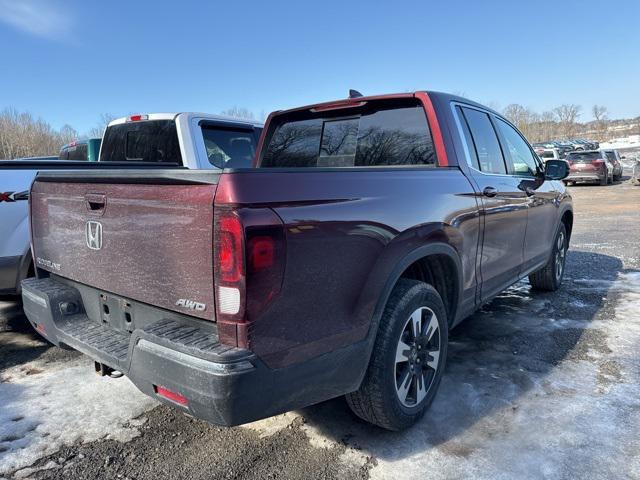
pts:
pixel 137 118
pixel 598 162
pixel 230 248
pixel 249 256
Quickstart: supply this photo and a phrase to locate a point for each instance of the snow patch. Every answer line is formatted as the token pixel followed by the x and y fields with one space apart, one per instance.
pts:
pixel 61 406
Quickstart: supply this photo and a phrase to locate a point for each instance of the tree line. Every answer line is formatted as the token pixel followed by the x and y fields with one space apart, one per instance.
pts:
pixel 560 122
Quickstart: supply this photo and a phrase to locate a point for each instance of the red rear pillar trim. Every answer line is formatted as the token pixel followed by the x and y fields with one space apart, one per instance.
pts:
pixel 438 141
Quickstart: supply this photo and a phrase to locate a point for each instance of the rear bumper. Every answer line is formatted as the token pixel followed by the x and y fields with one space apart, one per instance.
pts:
pixel 223 385
pixel 9 274
pixel 584 177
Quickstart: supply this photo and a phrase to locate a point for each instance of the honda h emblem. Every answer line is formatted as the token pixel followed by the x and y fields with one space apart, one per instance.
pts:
pixel 94 235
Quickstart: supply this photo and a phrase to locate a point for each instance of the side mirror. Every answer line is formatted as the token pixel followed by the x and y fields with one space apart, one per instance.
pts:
pixel 556 169
pixel 623 157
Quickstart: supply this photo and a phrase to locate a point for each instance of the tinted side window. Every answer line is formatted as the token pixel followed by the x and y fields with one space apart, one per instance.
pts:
pixel 373 135
pixel 64 154
pixel 521 158
pixel 229 148
pixel 485 141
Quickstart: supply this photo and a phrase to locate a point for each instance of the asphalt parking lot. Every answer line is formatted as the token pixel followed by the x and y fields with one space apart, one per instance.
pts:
pixel 537 386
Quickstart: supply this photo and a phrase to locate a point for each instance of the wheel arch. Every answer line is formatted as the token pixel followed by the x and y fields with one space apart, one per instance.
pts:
pixel 413 265
pixel 567 219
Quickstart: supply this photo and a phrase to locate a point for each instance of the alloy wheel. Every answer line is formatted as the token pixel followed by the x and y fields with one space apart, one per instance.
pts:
pixel 417 357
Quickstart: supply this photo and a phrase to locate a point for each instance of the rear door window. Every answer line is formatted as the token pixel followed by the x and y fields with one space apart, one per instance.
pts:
pixel 154 141
pixel 229 147
pixel 485 141
pixel 382 133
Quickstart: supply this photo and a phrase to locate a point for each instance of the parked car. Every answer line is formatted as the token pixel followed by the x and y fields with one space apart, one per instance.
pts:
pixel 548 153
pixel 369 228
pixel 149 138
pixel 613 156
pixel 582 144
pixel 589 166
pixel 563 148
pixel 81 150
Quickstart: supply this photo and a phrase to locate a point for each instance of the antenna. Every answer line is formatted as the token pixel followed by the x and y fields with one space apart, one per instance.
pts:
pixel 354 93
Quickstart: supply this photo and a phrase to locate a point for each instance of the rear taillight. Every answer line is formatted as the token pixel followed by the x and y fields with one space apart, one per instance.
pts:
pixel 249 258
pixel 598 162
pixel 229 266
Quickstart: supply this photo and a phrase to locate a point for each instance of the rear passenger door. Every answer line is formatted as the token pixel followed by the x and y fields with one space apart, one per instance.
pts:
pixel 504 205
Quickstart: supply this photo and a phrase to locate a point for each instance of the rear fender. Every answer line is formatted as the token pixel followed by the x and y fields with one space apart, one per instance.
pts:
pixel 407 248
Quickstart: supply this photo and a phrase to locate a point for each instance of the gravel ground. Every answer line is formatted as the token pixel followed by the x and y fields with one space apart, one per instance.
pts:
pixel 537 386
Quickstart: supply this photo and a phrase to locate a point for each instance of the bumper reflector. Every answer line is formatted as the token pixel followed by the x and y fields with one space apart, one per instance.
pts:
pixel 173 396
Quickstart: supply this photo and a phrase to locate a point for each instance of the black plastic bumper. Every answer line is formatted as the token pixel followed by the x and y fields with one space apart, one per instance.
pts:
pixel 223 385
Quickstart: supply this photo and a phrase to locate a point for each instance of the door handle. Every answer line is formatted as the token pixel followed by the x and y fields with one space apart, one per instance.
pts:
pixel 489 192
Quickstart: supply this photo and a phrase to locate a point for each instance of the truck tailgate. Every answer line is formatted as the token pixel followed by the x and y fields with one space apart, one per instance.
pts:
pixel 147 241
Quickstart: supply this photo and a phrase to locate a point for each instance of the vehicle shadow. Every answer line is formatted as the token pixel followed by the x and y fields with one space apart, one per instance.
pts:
pixel 19 342
pixel 498 355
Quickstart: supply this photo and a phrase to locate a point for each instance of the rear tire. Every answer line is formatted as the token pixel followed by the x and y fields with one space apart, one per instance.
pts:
pixel 406 367
pixel 604 180
pixel 550 276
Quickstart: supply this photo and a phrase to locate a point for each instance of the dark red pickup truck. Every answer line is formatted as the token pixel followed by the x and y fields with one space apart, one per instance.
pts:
pixel 367 229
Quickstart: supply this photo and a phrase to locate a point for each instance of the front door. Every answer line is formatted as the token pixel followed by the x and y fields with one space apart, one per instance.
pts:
pixel 542 196
pixel 504 205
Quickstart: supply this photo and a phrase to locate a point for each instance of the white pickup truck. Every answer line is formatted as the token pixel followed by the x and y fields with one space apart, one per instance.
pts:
pixel 191 140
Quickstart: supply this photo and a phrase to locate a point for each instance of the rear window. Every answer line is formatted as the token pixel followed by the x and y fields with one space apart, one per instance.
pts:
pixel 78 152
pixel 583 157
pixel 546 154
pixel 380 133
pixel 228 147
pixel 154 141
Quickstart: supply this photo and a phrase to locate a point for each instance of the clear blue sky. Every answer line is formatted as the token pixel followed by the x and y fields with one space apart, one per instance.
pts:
pixel 70 61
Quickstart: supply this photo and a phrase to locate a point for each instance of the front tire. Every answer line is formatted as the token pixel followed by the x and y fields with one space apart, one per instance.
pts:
pixel 550 276
pixel 408 358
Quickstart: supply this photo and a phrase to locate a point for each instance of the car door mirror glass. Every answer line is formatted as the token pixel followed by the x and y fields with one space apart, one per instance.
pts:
pixel 556 169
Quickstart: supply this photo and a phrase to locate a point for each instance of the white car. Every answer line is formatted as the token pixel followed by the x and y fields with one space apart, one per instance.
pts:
pixel 191 140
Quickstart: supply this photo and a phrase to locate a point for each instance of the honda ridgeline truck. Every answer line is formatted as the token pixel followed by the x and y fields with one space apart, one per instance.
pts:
pixel 367 228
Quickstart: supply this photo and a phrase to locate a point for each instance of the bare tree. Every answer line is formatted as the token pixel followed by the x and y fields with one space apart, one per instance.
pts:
pixel 98 130
pixel 599 112
pixel 567 115
pixel 522 117
pixel 68 134
pixel 21 135
pixel 239 112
